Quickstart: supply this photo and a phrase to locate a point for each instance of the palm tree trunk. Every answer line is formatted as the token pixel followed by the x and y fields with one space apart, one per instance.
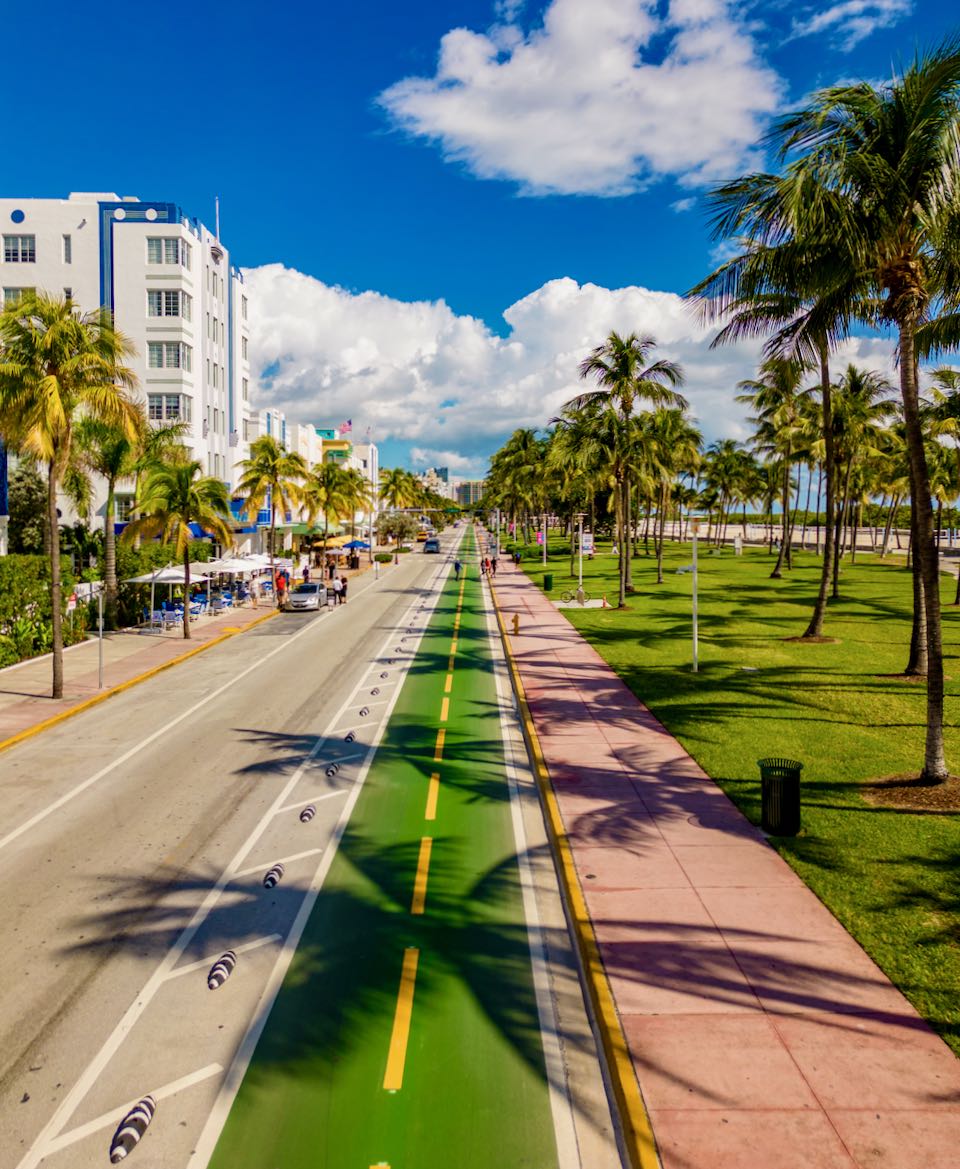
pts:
pixel 815 628
pixel 624 544
pixel 819 498
pixel 917 663
pixel 110 589
pixel 934 759
pixel 56 600
pixel 273 557
pixel 627 518
pixel 662 518
pixel 894 508
pixel 806 510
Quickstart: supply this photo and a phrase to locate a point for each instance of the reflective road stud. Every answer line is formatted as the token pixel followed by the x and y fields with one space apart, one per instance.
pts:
pixel 308 814
pixel 273 876
pixel 332 770
pixel 349 736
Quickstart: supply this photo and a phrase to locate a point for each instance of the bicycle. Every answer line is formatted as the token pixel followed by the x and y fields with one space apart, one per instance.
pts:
pixel 570 595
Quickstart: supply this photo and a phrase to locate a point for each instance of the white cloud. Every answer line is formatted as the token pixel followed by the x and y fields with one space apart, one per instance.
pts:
pixel 600 99
pixel 851 21
pixel 460 465
pixel 680 205
pixel 450 388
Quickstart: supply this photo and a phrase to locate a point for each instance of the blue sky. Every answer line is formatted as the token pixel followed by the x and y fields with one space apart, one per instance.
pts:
pixel 399 177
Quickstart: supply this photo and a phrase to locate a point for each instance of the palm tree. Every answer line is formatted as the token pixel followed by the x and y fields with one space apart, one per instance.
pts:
pixel 114 454
pixel 619 367
pixel 398 488
pixel 775 397
pixel 326 491
pixel 58 365
pixel 174 497
pixel 884 160
pixel 271 476
pixel 673 446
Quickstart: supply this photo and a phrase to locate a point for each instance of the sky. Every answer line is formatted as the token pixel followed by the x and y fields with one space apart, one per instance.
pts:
pixel 442 207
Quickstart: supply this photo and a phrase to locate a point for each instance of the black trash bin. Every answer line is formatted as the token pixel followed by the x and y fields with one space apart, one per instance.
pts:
pixel 547 581
pixel 780 796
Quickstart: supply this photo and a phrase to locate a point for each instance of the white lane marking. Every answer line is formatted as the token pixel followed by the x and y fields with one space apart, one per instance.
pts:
pixel 118 1113
pixel 38 1150
pixel 310 800
pixel 206 963
pixel 160 733
pixel 284 860
pixel 561 1105
pixel 342 758
pixel 207 1141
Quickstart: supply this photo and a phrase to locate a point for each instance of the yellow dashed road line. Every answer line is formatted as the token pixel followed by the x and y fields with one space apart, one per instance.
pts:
pixel 397 1056
pixel 433 791
pixel 420 882
pixel 438 750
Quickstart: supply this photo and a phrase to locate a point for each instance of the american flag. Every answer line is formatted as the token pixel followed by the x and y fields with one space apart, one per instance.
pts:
pixel 347 426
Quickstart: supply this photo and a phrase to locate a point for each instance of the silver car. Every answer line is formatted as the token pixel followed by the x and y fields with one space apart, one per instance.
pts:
pixel 311 595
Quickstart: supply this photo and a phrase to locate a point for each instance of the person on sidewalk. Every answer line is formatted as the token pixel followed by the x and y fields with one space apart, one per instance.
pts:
pixel 281 590
pixel 343 589
pixel 306 574
pixel 493 566
pixel 457 568
pixel 337 590
pixel 254 593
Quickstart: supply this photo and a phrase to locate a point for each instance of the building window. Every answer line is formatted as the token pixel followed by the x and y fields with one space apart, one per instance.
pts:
pixel 246 390
pixel 168 407
pixel 12 295
pixel 123 508
pixel 67 249
pixel 246 430
pixel 187 306
pixel 169 355
pixel 243 348
pixel 243 307
pixel 165 302
pixel 20 249
pixel 216 374
pixel 68 294
pixel 167 250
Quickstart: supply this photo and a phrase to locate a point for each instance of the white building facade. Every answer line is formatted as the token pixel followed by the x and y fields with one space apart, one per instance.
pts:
pixel 172 290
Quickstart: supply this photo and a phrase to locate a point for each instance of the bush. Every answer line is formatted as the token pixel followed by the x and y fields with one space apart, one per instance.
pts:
pixel 136 561
pixel 405 548
pixel 383 557
pixel 26 628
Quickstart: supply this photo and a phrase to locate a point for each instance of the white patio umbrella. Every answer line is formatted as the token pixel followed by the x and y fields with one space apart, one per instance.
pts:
pixel 235 564
pixel 168 575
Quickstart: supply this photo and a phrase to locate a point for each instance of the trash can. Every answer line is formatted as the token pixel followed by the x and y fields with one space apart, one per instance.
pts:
pixel 547 581
pixel 780 796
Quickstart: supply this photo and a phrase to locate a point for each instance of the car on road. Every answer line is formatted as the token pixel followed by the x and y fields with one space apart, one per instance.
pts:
pixel 309 595
pixel 431 544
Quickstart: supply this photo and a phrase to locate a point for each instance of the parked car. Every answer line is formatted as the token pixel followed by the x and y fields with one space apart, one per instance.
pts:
pixel 432 544
pixel 311 595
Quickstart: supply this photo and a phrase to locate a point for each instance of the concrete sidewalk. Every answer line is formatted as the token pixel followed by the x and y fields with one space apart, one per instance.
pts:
pixel 762 1035
pixel 25 688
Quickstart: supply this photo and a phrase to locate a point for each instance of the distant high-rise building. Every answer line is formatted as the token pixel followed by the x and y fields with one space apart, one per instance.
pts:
pixel 470 491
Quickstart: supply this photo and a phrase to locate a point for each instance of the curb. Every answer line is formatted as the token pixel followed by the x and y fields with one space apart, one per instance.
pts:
pixel 639 1141
pixel 29 732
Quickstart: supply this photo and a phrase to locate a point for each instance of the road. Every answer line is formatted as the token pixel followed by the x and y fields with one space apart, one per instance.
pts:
pixel 133 844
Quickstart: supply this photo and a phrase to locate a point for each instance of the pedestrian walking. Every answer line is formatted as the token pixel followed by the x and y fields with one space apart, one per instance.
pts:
pixel 254 593
pixel 493 566
pixel 306 574
pixel 516 560
pixel 281 590
pixel 337 590
pixel 343 589
pixel 457 568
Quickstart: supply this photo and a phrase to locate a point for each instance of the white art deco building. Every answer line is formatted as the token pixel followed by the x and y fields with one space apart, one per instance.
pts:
pixel 172 289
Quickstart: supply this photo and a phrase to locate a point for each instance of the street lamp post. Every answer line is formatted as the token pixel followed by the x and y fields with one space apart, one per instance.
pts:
pixel 543 529
pixel 100 635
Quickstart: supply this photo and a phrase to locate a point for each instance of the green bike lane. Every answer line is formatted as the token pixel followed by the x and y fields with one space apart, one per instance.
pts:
pixel 406 1033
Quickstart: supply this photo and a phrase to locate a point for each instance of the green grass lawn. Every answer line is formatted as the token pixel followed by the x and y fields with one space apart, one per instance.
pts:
pixel 891 877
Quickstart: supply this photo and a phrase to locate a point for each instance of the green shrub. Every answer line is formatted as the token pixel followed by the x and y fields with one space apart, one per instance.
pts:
pixel 26 628
pixel 383 557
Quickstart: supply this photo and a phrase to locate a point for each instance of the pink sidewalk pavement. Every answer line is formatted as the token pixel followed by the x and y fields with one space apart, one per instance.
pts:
pixel 762 1035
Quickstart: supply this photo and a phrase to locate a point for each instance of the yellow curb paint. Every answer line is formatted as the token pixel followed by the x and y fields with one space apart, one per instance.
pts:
pixel 448 685
pixel 29 732
pixel 638 1137
pixel 433 791
pixel 444 710
pixel 438 750
pixel 420 881
pixel 397 1056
